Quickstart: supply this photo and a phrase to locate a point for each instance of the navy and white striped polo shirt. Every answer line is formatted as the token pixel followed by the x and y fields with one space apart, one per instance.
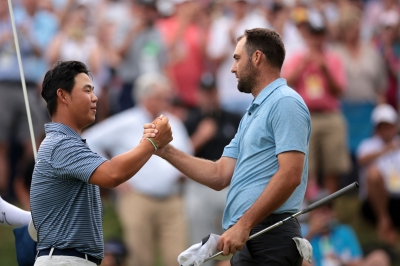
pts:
pixel 66 209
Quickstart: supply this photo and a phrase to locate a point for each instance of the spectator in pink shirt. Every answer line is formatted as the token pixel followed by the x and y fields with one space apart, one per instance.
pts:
pixel 319 77
pixel 185 41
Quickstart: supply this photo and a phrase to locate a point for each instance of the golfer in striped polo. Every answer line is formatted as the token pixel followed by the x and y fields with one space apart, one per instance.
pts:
pixel 65 198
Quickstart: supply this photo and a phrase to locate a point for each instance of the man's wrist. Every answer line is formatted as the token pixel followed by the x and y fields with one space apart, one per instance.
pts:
pixel 165 151
pixel 147 144
pixel 243 223
pixel 153 143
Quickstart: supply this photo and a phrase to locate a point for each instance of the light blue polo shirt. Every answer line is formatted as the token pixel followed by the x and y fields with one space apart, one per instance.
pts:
pixel 277 121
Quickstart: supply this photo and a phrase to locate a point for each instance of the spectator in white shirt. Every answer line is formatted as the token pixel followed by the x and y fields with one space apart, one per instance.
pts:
pixel 149 205
pixel 379 160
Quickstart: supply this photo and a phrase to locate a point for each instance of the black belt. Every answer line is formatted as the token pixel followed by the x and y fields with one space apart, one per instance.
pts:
pixel 69 252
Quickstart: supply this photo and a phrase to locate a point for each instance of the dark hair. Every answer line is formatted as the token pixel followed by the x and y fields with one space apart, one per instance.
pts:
pixel 61 76
pixel 268 42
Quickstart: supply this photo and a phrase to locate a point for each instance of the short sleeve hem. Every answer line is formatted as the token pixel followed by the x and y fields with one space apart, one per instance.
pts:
pixel 95 165
pixel 294 148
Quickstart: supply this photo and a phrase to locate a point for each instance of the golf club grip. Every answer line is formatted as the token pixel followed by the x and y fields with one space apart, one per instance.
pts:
pixel 331 197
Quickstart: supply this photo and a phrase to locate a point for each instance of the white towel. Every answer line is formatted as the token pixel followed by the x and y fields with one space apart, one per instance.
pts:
pixel 304 247
pixel 196 254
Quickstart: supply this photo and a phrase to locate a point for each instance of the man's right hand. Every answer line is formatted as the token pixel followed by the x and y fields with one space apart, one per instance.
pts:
pixel 164 135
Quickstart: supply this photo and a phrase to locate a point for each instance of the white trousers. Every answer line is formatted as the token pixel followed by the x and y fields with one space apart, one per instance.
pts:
pixel 62 261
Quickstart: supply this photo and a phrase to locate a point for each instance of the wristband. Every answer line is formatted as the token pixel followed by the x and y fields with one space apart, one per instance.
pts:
pixel 153 143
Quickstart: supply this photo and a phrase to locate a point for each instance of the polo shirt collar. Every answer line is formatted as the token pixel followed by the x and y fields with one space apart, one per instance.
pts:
pixel 264 93
pixel 59 127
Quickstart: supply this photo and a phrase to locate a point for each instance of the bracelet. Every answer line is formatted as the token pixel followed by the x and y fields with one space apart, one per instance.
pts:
pixel 154 144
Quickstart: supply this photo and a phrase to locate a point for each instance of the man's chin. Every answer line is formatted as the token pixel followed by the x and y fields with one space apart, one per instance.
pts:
pixel 244 90
pixel 90 121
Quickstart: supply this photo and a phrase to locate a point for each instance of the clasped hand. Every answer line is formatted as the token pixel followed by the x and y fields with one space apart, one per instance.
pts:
pixel 159 130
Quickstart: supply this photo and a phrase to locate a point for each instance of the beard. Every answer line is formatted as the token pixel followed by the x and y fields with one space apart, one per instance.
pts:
pixel 247 79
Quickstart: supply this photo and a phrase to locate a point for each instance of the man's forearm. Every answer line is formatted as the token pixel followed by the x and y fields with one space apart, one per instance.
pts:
pixel 128 164
pixel 122 167
pixel 200 170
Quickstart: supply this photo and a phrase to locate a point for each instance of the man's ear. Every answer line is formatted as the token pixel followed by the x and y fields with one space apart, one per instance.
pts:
pixel 61 95
pixel 257 57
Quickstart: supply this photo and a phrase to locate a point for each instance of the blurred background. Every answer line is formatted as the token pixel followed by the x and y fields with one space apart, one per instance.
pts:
pixel 342 56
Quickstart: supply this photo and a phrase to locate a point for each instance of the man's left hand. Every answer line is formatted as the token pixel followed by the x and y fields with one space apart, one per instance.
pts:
pixel 233 239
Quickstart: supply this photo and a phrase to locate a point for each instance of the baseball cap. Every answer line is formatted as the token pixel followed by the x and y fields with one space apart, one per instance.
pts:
pixel 316 22
pixel 150 3
pixel 384 113
pixel 115 247
pixel 176 2
pixel 207 82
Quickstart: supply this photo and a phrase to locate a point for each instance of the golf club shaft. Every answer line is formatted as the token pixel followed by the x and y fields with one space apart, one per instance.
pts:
pixel 261 232
pixel 331 197
pixel 313 206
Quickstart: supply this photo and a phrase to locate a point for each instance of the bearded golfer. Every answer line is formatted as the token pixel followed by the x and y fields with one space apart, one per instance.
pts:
pixel 266 162
pixel 65 197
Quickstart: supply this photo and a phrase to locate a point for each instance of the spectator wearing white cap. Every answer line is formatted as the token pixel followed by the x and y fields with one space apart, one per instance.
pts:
pixel 379 160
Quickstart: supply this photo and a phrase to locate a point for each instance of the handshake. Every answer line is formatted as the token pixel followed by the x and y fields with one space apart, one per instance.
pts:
pixel 158 132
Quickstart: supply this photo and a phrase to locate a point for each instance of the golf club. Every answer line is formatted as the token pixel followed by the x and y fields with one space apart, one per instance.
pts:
pixel 313 206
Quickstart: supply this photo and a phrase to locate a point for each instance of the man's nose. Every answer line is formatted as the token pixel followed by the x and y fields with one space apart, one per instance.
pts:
pixel 94 98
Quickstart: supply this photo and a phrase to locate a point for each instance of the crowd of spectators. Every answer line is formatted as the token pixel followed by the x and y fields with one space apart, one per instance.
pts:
pixel 174 57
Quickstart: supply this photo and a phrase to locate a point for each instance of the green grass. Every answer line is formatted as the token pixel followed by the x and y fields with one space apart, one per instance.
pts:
pixel 7 247
pixel 111 226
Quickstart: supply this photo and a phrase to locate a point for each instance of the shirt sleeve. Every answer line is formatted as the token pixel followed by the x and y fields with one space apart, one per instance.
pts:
pixel 291 125
pixel 72 159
